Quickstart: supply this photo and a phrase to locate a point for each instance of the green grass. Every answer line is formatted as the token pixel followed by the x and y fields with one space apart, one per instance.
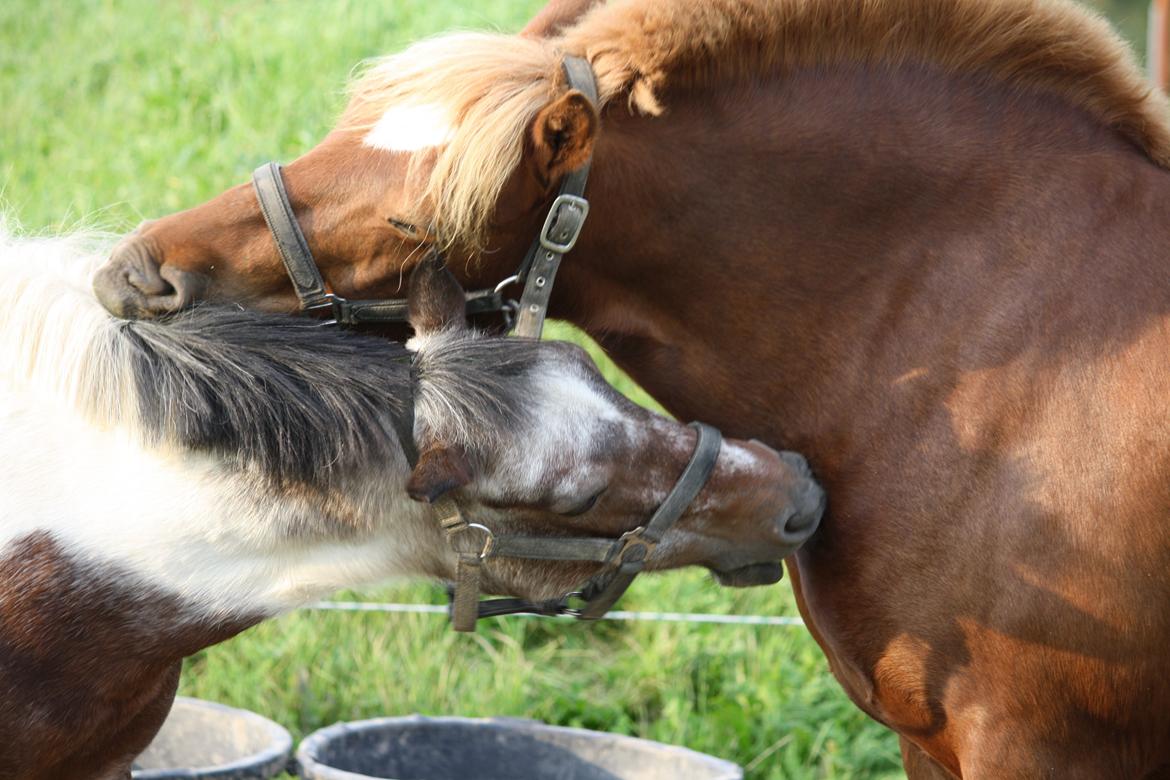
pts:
pixel 117 110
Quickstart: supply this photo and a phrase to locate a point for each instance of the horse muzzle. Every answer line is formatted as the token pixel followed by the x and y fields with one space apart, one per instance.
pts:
pixel 134 285
pixel 754 560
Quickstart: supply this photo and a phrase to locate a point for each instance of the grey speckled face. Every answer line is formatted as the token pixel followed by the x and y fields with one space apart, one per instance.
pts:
pixel 528 438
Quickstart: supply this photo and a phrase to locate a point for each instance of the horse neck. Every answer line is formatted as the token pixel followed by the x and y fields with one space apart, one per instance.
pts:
pixel 774 256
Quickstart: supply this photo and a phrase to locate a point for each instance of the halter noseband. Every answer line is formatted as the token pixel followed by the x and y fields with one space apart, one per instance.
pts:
pixel 622 558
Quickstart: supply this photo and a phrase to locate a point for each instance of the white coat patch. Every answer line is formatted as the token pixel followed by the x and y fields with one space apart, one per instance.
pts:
pixel 411 128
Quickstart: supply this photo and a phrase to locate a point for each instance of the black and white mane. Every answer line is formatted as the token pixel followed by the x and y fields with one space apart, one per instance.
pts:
pixel 276 394
pixel 279 394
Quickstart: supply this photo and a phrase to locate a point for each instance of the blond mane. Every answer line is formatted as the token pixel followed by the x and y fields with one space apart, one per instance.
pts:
pixel 494 85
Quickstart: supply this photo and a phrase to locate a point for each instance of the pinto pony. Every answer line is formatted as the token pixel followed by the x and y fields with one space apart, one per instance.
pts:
pixel 165 486
pixel 923 241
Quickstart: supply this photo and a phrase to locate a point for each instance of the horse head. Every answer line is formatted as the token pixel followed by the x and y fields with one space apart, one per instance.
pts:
pixel 573 457
pixel 456 143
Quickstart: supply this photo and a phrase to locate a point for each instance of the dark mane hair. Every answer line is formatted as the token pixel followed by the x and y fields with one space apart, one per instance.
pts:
pixel 275 394
pixel 300 402
pixel 280 394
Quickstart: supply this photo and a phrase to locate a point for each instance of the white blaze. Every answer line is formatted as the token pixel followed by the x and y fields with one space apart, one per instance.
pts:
pixel 412 127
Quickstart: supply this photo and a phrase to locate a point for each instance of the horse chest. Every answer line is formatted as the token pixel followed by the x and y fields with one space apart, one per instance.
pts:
pixel 88 661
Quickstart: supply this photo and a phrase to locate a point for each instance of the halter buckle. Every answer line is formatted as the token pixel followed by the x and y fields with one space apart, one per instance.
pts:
pixel 327 302
pixel 562 226
pixel 634 548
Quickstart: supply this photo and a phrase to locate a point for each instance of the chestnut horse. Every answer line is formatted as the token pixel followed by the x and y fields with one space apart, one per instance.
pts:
pixel 166 486
pixel 923 241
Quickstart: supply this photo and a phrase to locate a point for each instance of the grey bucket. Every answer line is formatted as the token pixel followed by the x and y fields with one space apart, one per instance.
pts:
pixel 418 748
pixel 202 740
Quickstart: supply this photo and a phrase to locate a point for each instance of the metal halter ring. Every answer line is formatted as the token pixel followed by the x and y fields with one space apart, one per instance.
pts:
pixel 328 303
pixel 505 283
pixel 489 539
pixel 630 541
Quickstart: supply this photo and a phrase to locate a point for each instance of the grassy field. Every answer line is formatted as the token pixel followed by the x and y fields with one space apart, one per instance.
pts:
pixel 114 110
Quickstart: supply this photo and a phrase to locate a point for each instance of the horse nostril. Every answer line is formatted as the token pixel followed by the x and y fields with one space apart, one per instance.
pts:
pixel 807 507
pixel 133 284
pixel 797 463
pixel 150 283
pixel 115 293
pixel 811 505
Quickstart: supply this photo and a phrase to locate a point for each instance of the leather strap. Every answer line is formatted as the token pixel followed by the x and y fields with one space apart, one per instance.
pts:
pixel 290 241
pixel 605 589
pixel 469 566
pixel 404 421
pixel 551 548
pixel 465 605
pixel 624 558
pixel 561 227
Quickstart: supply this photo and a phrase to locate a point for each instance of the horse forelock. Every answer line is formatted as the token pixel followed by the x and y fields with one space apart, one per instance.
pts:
pixel 475 391
pixel 487 88
pixel 490 86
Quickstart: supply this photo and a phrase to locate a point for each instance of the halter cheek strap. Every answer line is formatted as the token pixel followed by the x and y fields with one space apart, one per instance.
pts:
pixel 562 226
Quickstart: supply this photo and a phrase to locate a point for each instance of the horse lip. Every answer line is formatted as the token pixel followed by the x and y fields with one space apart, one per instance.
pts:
pixel 752 575
pixel 803 515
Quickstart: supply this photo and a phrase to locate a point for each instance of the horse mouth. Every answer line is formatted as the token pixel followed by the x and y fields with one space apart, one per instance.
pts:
pixel 750 576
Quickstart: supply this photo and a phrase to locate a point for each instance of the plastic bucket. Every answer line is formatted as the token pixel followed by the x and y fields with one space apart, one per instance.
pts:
pixel 418 748
pixel 202 739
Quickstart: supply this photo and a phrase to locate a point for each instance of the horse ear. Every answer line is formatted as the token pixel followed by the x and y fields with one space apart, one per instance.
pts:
pixel 562 136
pixel 435 301
pixel 441 468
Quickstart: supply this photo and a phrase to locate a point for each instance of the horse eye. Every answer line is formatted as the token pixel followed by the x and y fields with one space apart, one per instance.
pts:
pixel 585 507
pixel 405 227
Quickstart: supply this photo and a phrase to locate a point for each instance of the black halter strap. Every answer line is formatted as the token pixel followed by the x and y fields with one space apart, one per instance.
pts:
pixel 623 558
pixel 562 226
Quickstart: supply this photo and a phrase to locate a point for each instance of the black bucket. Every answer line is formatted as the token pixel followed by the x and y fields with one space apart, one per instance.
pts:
pixel 202 740
pixel 418 748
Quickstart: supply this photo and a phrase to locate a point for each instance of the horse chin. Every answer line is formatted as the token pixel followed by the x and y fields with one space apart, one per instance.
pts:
pixel 751 576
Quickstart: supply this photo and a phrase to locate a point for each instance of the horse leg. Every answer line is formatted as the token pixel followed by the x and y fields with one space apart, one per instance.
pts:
pixel 920 766
pixel 113 758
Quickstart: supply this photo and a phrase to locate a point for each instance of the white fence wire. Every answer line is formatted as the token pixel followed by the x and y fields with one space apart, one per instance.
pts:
pixel 648 617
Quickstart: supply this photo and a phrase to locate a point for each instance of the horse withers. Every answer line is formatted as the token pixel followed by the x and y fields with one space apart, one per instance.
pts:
pixel 166 485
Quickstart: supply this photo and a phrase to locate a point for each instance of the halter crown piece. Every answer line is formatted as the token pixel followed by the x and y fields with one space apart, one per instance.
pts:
pixel 622 558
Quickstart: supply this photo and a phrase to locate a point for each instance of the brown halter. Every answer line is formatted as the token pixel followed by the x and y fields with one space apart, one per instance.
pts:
pixel 562 227
pixel 622 558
